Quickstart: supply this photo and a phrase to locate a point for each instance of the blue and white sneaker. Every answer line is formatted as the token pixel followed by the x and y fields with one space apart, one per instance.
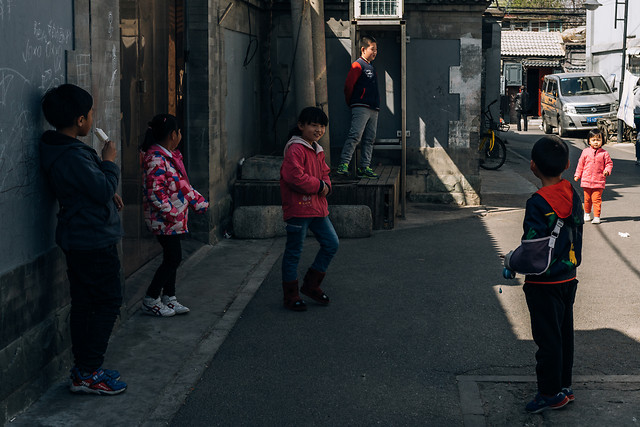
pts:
pixel 541 403
pixel 96 383
pixel 114 375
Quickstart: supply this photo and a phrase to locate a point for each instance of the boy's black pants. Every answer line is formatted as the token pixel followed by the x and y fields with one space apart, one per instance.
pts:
pixel 164 281
pixel 96 297
pixel 551 311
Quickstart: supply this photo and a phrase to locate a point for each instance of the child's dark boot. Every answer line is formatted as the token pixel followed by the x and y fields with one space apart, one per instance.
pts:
pixel 311 286
pixel 292 299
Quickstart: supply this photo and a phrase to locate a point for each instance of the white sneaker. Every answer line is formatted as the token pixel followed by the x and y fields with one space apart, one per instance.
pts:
pixel 596 220
pixel 587 217
pixel 173 304
pixel 155 307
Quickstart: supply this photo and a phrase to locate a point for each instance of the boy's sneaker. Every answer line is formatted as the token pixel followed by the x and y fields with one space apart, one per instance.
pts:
pixel 367 173
pixel 343 169
pixel 96 383
pixel 541 403
pixel 587 217
pixel 174 305
pixel 596 220
pixel 114 375
pixel 569 393
pixel 155 307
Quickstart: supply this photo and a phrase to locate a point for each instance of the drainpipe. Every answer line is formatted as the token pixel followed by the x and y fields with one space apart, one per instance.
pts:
pixel 302 55
pixel 320 67
pixel 621 123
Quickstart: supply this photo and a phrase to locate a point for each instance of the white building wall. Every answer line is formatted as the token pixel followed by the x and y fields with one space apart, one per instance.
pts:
pixel 604 42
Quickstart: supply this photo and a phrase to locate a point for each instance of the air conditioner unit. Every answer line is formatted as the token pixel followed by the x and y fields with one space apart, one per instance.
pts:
pixel 377 9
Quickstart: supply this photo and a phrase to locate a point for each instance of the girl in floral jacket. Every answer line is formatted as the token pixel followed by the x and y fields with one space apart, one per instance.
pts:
pixel 593 168
pixel 167 196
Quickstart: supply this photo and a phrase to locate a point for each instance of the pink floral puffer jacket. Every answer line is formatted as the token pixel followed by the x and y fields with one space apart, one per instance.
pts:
pixel 167 193
pixel 591 167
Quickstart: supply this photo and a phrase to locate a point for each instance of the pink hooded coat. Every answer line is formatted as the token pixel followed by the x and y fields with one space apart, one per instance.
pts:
pixel 303 168
pixel 591 167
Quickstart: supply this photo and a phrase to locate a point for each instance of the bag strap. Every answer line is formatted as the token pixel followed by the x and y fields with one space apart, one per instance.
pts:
pixel 555 233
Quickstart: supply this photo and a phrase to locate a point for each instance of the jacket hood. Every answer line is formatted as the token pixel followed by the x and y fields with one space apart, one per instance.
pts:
pixel 298 140
pixel 55 144
pixel 560 197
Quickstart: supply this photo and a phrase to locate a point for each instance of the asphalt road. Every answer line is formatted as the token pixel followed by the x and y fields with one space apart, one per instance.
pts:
pixel 417 309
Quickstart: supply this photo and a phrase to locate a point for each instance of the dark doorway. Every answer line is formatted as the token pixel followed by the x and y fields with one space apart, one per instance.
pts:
pixel 533 87
pixel 153 67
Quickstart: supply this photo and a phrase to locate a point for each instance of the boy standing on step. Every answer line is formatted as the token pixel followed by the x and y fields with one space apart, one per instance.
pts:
pixel 362 96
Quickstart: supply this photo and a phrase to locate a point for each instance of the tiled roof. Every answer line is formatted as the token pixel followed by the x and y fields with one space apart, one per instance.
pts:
pixel 540 63
pixel 531 43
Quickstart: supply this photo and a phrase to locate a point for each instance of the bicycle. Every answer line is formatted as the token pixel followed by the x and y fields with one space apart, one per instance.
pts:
pixel 493 152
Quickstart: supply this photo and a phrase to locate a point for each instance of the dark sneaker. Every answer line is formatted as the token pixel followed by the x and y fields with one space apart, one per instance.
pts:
pixel 343 169
pixel 541 403
pixel 96 383
pixel 367 173
pixel 114 375
pixel 569 393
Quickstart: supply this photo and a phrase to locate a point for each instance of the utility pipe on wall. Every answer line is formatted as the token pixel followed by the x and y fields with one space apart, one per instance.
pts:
pixel 320 67
pixel 302 55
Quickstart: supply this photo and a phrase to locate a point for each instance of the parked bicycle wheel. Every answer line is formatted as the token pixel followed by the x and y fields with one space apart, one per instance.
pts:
pixel 492 158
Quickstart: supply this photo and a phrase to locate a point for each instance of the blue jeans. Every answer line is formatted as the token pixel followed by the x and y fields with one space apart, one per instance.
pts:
pixel 364 123
pixel 296 234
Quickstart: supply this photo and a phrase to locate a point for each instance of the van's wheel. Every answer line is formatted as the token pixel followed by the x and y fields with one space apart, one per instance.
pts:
pixel 545 125
pixel 562 132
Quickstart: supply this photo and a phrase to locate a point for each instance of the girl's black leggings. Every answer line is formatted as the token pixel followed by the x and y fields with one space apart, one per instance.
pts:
pixel 164 281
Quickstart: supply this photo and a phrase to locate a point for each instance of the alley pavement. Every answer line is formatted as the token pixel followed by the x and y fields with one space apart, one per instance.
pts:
pixel 422 328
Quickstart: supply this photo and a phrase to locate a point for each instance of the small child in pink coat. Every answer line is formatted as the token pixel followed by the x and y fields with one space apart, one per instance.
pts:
pixel 593 168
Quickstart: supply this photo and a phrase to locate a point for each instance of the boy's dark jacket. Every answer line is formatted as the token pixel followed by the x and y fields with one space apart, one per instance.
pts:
pixel 541 214
pixel 361 86
pixel 84 186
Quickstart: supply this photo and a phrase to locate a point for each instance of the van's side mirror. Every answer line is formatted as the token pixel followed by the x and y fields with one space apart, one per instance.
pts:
pixel 615 89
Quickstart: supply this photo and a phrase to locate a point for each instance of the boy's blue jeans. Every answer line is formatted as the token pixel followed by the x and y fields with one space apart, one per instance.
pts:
pixel 296 234
pixel 364 123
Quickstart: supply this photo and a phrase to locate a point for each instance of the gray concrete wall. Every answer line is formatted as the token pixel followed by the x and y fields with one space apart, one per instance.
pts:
pixel 225 107
pixel 45 44
pixel 604 42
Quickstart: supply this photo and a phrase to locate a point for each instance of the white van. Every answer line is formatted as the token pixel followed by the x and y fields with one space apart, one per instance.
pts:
pixel 575 101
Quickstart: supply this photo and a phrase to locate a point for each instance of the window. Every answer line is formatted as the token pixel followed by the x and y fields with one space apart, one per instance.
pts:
pixel 513 74
pixel 576 86
pixel 554 26
pixel 634 64
pixel 520 26
pixel 539 26
pixel 378 8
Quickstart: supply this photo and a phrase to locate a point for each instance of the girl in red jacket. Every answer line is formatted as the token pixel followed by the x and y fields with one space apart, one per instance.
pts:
pixel 593 168
pixel 304 185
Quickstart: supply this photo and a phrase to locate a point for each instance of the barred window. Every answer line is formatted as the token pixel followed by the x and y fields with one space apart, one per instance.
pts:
pixel 378 8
